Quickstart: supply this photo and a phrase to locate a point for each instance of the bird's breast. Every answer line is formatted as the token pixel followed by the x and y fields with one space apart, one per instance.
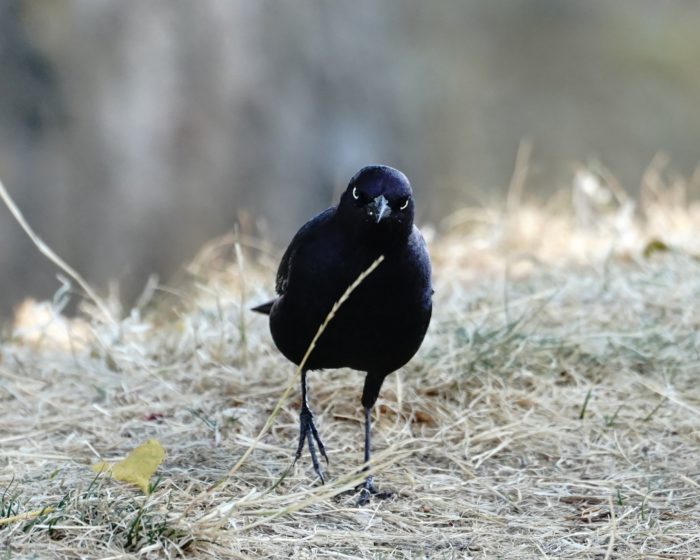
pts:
pixel 379 327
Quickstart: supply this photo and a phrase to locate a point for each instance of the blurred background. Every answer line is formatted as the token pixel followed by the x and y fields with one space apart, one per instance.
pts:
pixel 132 131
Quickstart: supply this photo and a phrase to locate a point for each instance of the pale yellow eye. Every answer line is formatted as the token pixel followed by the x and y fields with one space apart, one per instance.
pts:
pixel 354 193
pixel 404 205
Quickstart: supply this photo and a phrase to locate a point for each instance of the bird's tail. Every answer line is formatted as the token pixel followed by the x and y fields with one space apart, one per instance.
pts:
pixel 263 308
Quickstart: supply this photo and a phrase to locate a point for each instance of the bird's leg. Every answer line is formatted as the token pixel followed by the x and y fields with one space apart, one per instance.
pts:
pixel 373 384
pixel 367 489
pixel 309 433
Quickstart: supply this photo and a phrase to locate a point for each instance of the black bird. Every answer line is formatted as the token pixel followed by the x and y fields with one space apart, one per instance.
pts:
pixel 382 324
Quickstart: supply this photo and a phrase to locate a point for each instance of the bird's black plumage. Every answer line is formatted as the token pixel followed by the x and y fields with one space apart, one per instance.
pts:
pixel 382 324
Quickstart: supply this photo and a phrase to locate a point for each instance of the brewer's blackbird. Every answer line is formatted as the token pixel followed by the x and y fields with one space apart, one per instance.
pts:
pixel 382 324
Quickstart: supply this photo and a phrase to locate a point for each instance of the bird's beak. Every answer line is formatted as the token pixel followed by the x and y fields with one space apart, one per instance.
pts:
pixel 379 208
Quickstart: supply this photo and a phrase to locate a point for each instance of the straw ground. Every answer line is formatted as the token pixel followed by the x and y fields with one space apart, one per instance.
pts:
pixel 553 411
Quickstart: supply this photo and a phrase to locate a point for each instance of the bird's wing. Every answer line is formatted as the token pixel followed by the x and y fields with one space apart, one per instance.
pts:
pixel 422 254
pixel 308 229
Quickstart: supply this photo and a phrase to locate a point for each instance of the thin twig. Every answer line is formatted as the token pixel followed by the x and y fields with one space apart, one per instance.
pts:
pixel 295 377
pixel 26 516
pixel 301 365
pixel 52 256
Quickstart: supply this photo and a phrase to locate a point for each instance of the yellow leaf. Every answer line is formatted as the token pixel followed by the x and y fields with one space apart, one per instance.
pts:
pixel 654 246
pixel 138 467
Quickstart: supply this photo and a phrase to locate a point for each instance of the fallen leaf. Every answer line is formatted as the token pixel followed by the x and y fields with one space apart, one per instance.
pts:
pixel 138 467
pixel 654 246
pixel 524 402
pixel 423 418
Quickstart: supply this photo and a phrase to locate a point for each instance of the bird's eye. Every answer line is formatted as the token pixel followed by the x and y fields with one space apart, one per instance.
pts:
pixel 404 205
pixel 354 193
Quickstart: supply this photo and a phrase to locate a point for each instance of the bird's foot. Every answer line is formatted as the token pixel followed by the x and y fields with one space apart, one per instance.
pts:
pixel 367 490
pixel 309 433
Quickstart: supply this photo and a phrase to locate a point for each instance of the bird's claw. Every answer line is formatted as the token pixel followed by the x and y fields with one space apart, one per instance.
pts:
pixel 367 490
pixel 309 433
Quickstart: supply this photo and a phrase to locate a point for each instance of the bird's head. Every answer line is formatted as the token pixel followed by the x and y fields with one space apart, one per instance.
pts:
pixel 379 200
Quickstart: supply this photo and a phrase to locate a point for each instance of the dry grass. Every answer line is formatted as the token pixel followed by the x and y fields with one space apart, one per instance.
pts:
pixel 553 411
